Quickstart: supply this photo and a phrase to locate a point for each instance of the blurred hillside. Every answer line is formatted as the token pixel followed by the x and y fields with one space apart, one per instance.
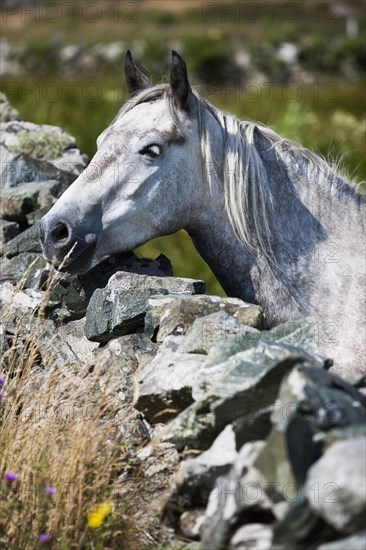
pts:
pixel 299 67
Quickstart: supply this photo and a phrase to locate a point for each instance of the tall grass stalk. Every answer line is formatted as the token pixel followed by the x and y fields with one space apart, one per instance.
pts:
pixel 60 436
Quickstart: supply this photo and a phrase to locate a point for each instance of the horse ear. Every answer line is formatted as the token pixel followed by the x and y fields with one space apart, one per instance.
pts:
pixel 179 83
pixel 136 81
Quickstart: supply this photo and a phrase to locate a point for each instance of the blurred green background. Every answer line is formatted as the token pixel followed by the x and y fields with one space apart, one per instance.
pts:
pixel 299 67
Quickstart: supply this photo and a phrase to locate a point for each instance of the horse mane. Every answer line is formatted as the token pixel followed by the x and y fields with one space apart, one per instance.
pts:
pixel 245 178
pixel 243 173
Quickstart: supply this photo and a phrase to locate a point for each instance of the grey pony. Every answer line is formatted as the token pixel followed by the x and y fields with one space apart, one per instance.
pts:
pixel 277 225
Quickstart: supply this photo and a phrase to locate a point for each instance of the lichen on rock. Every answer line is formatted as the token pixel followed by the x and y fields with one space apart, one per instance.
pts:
pixel 43 143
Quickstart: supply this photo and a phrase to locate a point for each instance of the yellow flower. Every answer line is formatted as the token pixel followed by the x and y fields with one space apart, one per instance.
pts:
pixel 98 515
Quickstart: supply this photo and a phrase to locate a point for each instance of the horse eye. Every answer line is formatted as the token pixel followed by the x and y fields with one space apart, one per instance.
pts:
pixel 152 151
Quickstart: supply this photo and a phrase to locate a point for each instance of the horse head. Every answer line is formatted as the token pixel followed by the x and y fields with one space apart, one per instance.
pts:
pixel 142 183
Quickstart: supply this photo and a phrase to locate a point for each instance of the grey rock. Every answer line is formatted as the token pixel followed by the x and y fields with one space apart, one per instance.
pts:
pixel 355 378
pixel 245 385
pixel 8 65
pixel 159 267
pixel 70 294
pixel 65 299
pixel 118 361
pixel 11 297
pixel 173 285
pixel 273 464
pixel 328 437
pixel 156 307
pixel 179 316
pixel 144 350
pixel 153 466
pixel 69 344
pixel 325 399
pixel 339 479
pixel 241 493
pixel 166 454
pixel 328 509
pixel 253 426
pixel 164 386
pixel 24 142
pixel 254 536
pixel 302 447
pixel 288 456
pixel 301 528
pixel 197 476
pixel 109 52
pixel 171 343
pixel 22 168
pixel 188 546
pixel 158 463
pixel 310 400
pixel 297 333
pixel 70 53
pixel 210 330
pixel 7 290
pixel 134 430
pixel 17 203
pixel 36 216
pixel 288 52
pixel 247 368
pixel 20 325
pixel 120 308
pixel 28 267
pixel 112 313
pixel 26 241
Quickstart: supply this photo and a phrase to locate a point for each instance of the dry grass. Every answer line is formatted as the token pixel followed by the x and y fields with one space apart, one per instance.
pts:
pixel 59 429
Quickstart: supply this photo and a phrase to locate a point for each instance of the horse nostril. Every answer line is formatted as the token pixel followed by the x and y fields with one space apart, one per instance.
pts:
pixel 60 233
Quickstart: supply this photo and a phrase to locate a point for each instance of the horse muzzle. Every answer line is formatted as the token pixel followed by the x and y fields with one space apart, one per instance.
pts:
pixel 62 245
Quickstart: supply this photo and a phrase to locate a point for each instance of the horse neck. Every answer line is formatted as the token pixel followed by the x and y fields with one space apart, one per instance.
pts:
pixel 216 242
pixel 210 228
pixel 305 205
pixel 299 179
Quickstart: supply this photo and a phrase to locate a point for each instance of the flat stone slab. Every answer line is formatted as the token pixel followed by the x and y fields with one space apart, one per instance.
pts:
pixel 173 285
pixel 120 308
pixel 178 316
pixel 211 330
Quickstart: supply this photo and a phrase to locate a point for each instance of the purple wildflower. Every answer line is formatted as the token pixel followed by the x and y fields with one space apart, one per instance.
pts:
pixel 2 380
pixel 43 537
pixel 10 477
pixel 50 490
